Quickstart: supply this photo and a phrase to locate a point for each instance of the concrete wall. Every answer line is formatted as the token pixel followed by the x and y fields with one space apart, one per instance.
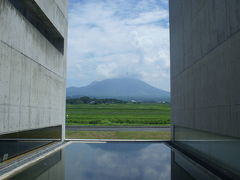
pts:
pixel 32 70
pixel 205 76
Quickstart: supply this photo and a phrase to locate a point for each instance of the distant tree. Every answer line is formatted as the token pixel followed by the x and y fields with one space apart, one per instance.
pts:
pixel 88 100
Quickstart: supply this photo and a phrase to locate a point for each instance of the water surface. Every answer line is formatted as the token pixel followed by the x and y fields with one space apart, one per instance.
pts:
pixel 110 161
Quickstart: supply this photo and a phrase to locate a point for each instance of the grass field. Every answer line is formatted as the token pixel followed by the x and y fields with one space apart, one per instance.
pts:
pixel 118 135
pixel 118 114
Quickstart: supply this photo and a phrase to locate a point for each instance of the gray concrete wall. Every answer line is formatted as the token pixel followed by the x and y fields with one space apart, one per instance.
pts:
pixel 205 75
pixel 56 10
pixel 205 63
pixel 32 70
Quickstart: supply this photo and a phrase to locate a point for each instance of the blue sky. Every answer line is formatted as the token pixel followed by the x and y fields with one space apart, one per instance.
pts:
pixel 118 38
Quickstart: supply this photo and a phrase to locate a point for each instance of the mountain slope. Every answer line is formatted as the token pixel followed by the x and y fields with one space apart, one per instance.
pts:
pixel 119 88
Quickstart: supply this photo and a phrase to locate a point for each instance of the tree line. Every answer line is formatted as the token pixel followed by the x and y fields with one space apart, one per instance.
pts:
pixel 88 100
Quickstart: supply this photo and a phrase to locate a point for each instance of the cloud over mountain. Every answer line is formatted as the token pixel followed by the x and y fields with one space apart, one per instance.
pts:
pixel 120 38
pixel 120 88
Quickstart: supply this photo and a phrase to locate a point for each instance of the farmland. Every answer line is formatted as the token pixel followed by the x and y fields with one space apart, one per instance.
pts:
pixel 118 114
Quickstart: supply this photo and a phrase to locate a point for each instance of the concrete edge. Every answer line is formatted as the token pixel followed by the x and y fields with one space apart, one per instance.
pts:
pixel 31 162
pixel 115 140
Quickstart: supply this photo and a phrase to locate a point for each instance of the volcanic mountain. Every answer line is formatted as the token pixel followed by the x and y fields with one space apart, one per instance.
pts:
pixel 120 88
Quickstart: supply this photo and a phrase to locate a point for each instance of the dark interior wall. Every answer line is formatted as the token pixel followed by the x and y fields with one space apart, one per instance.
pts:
pixel 14 144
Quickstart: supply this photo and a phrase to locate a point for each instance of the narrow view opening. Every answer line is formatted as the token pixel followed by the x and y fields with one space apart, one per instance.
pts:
pixel 118 70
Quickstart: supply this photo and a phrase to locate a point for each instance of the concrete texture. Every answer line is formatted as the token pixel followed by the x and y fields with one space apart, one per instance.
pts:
pixel 32 70
pixel 205 63
pixel 56 11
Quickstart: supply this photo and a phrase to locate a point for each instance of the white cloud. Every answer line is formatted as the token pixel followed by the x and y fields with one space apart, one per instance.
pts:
pixel 115 162
pixel 118 38
pixel 148 17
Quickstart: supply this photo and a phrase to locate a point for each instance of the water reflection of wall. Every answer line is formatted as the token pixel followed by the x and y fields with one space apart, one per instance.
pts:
pixel 54 172
pixel 51 167
pixel 184 168
pixel 128 161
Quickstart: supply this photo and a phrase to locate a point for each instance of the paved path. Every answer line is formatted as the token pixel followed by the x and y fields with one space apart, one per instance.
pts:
pixel 122 128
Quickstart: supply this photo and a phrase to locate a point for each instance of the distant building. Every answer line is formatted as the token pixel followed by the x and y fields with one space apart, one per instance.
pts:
pixel 92 102
pixel 163 102
pixel 205 76
pixel 32 73
pixel 133 101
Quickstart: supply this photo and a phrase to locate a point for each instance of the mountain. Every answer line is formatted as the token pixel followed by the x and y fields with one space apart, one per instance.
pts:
pixel 120 88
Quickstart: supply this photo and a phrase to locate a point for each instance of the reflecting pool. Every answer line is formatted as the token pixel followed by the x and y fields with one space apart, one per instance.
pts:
pixel 113 161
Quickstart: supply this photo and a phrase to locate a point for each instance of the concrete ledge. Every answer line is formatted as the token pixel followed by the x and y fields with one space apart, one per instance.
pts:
pixel 113 140
pixel 10 169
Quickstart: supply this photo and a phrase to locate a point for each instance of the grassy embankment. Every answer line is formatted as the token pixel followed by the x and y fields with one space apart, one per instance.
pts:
pixel 162 135
pixel 115 115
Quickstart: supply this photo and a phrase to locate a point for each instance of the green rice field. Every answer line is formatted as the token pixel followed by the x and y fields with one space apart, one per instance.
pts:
pixel 118 114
